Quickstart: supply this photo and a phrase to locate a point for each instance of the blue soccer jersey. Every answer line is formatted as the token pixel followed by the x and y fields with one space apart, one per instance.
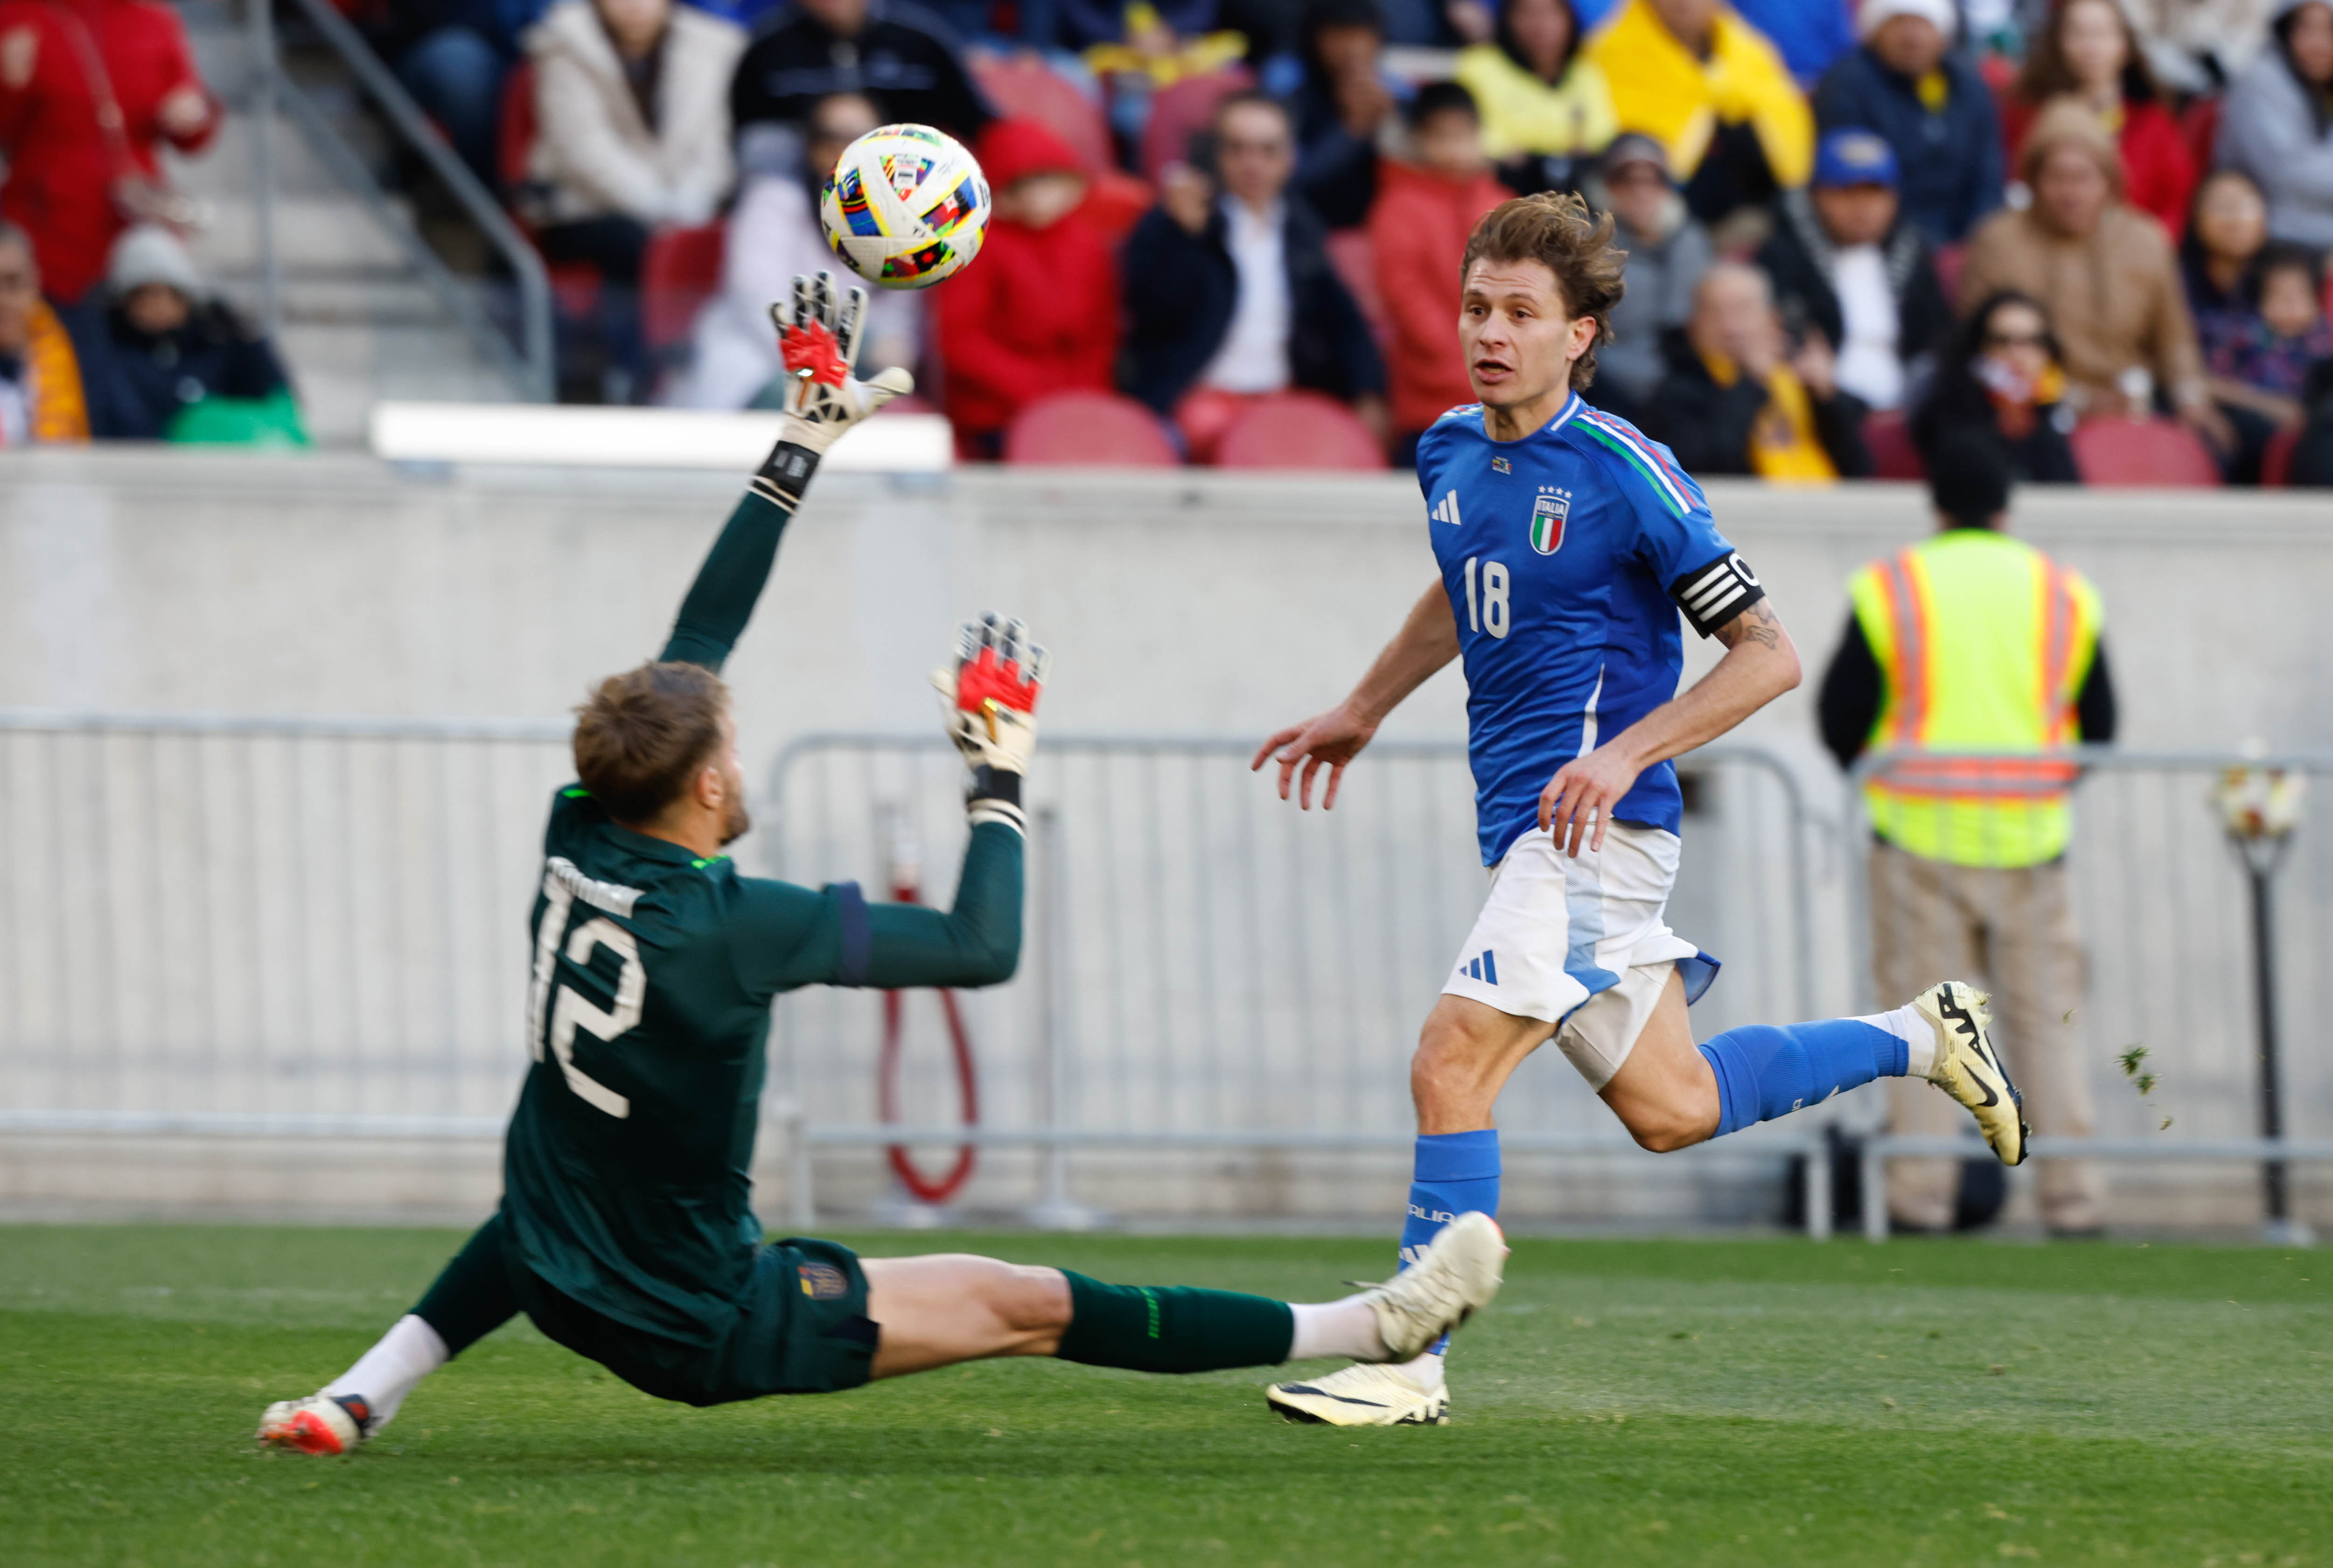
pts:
pixel 1568 556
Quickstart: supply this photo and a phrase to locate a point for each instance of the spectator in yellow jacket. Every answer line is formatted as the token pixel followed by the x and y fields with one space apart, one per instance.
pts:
pixel 41 399
pixel 1714 92
pixel 1545 106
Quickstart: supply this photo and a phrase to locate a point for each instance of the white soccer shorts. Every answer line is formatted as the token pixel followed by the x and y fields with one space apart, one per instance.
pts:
pixel 1581 943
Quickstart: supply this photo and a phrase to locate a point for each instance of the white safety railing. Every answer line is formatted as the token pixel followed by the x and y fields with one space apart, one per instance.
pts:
pixel 270 928
pixel 246 927
pixel 2203 944
pixel 1209 967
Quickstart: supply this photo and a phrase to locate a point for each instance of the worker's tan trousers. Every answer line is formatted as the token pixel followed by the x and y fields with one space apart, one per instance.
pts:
pixel 2011 931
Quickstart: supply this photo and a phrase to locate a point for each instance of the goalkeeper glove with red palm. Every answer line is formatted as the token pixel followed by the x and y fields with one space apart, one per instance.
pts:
pixel 818 336
pixel 989 702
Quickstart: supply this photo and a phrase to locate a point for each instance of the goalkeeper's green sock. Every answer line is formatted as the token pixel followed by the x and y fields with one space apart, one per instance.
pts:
pixel 1173 1328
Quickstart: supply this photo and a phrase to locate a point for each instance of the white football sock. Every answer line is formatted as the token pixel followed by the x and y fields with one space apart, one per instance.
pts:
pixel 1918 1035
pixel 382 1377
pixel 1426 1371
pixel 1346 1328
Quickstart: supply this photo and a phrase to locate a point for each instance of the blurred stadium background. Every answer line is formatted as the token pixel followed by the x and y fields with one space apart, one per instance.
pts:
pixel 278 731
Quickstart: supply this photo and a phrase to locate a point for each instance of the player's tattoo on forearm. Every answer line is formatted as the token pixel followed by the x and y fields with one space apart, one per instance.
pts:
pixel 1758 624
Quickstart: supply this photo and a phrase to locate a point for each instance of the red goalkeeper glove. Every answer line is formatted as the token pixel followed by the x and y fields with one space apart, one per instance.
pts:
pixel 989 703
pixel 817 337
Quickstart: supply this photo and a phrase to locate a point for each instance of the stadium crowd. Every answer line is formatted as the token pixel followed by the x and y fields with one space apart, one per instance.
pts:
pixel 1855 226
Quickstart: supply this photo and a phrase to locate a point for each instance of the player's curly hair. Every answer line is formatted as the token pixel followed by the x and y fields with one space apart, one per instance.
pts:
pixel 644 733
pixel 1557 230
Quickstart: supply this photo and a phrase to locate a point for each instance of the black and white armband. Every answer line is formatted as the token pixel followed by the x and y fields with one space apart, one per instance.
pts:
pixel 785 474
pixel 1713 594
pixel 996 797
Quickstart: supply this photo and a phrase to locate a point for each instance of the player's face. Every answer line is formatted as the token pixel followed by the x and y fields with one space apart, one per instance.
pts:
pixel 736 820
pixel 1518 338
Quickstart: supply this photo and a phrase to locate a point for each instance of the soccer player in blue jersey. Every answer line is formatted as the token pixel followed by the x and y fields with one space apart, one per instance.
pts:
pixel 1568 545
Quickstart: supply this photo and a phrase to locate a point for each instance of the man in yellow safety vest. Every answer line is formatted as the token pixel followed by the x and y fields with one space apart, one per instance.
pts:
pixel 1971 657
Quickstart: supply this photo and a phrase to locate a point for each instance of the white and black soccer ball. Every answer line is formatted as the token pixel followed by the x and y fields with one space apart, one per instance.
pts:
pixel 906 206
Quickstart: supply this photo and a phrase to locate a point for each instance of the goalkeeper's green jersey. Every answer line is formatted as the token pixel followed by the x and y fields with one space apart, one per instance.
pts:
pixel 625 1169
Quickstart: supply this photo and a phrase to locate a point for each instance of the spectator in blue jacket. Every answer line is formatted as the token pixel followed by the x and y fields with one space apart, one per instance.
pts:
pixel 1344 105
pixel 1909 84
pixel 1811 34
pixel 1228 291
pixel 453 56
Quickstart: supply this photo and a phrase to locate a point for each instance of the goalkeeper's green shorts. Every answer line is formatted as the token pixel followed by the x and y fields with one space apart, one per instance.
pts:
pixel 802 1328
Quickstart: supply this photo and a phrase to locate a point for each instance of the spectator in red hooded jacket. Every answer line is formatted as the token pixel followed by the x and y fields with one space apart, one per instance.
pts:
pixel 1038 311
pixel 1418 228
pixel 89 89
pixel 2089 53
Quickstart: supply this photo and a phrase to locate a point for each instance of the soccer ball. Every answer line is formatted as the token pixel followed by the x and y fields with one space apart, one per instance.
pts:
pixel 906 206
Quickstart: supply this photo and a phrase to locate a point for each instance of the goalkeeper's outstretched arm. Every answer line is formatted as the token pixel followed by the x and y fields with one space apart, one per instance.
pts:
pixel 795 936
pixel 818 335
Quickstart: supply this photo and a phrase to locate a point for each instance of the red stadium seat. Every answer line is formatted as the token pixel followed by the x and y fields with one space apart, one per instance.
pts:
pixel 681 271
pixel 2142 452
pixel 574 285
pixel 2276 462
pixel 1024 87
pixel 1893 455
pixel 1298 430
pixel 1089 429
pixel 1355 256
pixel 514 128
pixel 1181 109
pixel 1115 202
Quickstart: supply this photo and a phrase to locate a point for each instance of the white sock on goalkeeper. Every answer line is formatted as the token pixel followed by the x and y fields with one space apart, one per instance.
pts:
pixel 1346 1327
pixel 382 1377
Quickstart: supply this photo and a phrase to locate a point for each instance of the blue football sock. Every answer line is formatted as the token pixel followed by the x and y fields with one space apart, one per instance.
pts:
pixel 1769 1070
pixel 1455 1173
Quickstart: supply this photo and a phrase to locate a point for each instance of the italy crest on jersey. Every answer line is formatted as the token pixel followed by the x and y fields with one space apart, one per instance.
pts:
pixel 1549 513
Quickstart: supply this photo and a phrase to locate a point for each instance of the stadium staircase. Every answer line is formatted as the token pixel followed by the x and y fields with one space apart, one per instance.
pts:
pixel 360 320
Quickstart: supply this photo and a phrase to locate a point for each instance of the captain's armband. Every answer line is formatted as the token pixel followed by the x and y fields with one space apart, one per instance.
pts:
pixel 1713 594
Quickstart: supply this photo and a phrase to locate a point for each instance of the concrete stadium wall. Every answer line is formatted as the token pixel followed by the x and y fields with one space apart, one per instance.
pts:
pixel 1176 603
pixel 1187 603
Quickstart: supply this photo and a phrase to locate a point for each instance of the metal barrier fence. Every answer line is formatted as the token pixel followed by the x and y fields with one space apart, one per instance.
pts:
pixel 2200 942
pixel 1211 968
pixel 316 927
pixel 251 926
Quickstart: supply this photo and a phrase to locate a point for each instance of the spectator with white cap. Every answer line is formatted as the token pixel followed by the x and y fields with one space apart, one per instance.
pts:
pixel 1907 82
pixel 1844 262
pixel 175 363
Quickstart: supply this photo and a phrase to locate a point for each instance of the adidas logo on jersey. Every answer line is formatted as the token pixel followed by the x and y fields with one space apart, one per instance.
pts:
pixel 1447 510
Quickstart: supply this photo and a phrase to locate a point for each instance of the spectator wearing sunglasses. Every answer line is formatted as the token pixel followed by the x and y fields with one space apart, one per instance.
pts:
pixel 2003 377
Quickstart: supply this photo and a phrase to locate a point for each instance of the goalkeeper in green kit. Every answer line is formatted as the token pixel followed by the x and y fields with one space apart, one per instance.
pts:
pixel 626 1230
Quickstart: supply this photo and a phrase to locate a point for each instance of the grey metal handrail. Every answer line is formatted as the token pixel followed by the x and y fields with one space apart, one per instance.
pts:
pixel 531 366
pixel 324 726
pixel 1803 815
pixel 1053 1139
pixel 1879 1148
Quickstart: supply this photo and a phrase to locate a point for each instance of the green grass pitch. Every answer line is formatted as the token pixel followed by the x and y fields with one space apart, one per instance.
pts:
pixel 1623 1401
